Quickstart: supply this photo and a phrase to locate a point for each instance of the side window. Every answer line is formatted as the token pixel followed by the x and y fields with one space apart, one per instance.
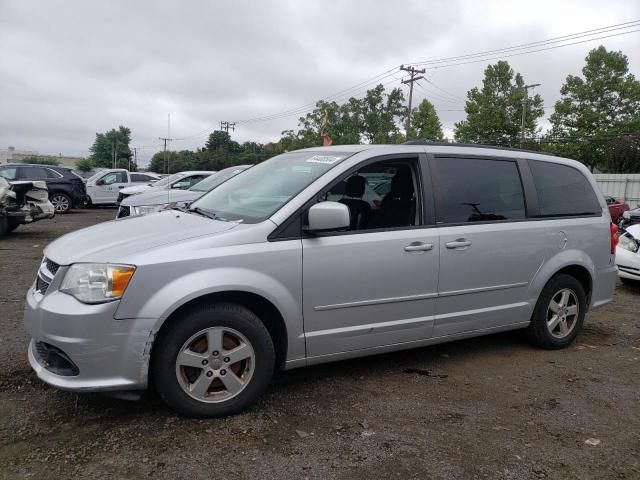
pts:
pixel 368 210
pixel 9 173
pixel 52 173
pixel 139 177
pixel 114 177
pixel 562 190
pixel 195 179
pixel 33 173
pixel 477 190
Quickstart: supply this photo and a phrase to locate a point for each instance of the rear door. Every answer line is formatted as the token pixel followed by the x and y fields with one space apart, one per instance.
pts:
pixel 375 284
pixel 489 252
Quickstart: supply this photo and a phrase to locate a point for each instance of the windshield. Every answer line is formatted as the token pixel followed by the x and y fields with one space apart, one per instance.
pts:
pixel 260 191
pixel 216 179
pixel 168 180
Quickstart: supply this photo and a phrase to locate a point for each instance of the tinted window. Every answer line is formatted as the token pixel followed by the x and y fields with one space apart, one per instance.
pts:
pixel 8 173
pixel 478 190
pixel 52 173
pixel 563 190
pixel 139 177
pixel 33 172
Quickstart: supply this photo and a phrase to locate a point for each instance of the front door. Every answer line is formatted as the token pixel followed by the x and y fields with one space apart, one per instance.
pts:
pixel 107 187
pixel 375 284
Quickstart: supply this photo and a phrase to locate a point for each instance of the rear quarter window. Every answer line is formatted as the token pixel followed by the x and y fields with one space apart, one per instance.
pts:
pixel 563 190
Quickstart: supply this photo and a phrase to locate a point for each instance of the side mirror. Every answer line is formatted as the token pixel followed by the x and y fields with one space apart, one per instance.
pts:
pixel 100 182
pixel 328 216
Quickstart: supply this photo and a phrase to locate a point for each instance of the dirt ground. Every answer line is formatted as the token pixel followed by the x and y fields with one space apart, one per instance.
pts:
pixel 492 407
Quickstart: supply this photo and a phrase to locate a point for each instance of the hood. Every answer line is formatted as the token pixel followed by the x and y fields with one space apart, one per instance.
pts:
pixel 115 240
pixel 135 189
pixel 634 231
pixel 160 197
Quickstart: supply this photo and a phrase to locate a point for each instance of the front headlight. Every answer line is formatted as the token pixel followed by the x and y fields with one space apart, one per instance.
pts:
pixel 97 282
pixel 147 209
pixel 628 243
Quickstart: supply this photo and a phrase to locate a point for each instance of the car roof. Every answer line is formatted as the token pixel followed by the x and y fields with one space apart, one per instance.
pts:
pixel 46 165
pixel 450 148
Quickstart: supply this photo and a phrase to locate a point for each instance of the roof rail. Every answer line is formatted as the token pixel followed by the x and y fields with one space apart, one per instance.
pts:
pixel 474 145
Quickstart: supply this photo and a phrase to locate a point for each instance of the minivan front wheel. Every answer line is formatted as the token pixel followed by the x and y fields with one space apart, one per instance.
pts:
pixel 214 361
pixel 559 313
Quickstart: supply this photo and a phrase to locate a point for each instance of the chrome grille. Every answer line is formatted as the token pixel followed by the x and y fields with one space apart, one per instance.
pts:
pixel 51 266
pixel 41 285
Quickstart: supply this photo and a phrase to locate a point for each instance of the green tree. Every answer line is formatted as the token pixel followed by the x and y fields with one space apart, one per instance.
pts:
pixel 108 143
pixel 494 113
pixel 595 108
pixel 425 124
pixel 41 160
pixel 375 118
pixel 84 164
pixel 623 154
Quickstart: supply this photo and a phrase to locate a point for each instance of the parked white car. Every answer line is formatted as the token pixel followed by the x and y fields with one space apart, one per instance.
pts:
pixel 628 255
pixel 103 187
pixel 178 181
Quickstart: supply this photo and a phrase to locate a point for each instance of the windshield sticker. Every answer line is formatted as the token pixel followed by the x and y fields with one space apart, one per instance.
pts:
pixel 325 159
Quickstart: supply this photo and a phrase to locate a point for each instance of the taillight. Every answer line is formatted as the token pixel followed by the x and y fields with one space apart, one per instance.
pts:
pixel 614 237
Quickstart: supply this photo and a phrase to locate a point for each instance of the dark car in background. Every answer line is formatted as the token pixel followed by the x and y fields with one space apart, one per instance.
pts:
pixel 66 189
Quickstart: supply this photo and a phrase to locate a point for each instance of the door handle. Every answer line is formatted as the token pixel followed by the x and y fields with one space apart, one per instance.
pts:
pixel 418 247
pixel 458 243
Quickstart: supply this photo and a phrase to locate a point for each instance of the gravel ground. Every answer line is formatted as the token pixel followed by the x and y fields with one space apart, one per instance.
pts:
pixel 492 407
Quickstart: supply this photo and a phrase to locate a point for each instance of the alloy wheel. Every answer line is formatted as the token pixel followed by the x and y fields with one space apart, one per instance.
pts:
pixel 562 313
pixel 215 364
pixel 60 203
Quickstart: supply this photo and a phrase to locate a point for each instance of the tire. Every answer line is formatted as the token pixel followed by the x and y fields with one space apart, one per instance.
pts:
pixel 12 225
pixel 4 226
pixel 197 380
pixel 549 332
pixel 61 202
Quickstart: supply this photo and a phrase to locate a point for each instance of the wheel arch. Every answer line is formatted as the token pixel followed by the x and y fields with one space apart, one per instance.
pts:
pixel 259 305
pixel 571 262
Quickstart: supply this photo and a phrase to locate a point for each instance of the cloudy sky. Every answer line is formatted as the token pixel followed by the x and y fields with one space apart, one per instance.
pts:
pixel 69 69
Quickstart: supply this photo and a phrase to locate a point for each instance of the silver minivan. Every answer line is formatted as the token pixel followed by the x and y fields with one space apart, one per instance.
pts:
pixel 264 272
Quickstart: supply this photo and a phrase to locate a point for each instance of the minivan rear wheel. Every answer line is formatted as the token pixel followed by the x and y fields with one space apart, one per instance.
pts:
pixel 216 360
pixel 559 313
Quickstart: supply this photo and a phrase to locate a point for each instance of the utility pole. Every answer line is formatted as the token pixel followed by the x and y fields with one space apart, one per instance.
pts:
pixel 413 72
pixel 525 105
pixel 135 157
pixel 115 152
pixel 166 158
pixel 228 125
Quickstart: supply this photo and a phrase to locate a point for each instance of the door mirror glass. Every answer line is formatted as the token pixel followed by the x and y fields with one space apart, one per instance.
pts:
pixel 328 216
pixel 100 181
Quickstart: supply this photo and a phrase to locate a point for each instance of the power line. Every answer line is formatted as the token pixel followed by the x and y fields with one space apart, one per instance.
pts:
pixel 572 36
pixel 499 57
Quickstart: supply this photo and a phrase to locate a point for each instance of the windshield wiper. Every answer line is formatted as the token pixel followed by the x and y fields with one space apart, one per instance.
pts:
pixel 207 213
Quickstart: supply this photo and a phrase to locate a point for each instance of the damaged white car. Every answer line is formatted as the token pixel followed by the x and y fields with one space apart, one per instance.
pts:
pixel 23 202
pixel 628 255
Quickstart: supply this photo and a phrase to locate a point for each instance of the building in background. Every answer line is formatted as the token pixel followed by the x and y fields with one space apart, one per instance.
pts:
pixel 11 155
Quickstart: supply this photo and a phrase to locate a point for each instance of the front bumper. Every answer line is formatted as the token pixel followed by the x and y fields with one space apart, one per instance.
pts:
pixel 628 264
pixel 109 354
